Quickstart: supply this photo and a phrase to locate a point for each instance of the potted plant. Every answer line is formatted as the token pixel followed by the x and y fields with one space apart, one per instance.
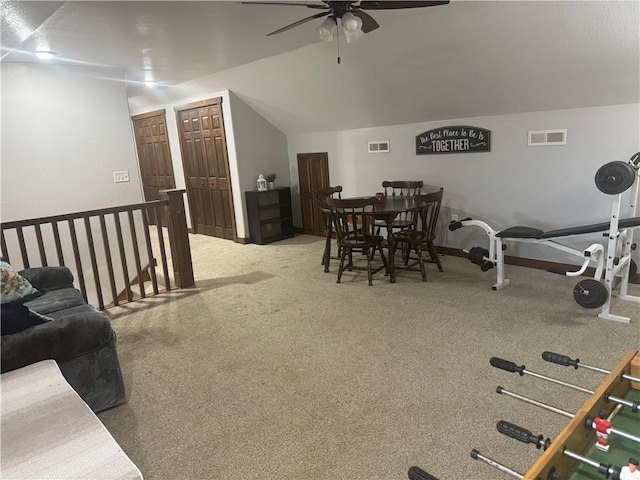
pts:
pixel 271 180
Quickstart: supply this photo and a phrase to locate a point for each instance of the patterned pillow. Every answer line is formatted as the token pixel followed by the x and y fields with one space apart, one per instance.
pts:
pixel 14 286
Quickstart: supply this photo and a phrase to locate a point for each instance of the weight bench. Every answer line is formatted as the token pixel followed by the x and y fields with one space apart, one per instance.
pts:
pixel 614 259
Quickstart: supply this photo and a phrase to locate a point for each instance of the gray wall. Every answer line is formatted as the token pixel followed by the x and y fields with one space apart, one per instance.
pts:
pixel 65 130
pixel 545 187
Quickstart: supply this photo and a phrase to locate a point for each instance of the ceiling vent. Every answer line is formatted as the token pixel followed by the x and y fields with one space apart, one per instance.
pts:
pixel 379 147
pixel 540 138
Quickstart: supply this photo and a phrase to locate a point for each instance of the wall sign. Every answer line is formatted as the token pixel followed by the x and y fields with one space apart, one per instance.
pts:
pixel 453 139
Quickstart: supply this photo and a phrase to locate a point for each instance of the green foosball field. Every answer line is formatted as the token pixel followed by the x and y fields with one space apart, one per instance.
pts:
pixel 553 463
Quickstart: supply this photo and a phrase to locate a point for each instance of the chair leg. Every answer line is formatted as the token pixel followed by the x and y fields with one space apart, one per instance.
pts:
pixel 341 268
pixel 369 253
pixel 387 268
pixel 423 271
pixel 393 246
pixel 327 251
pixel 434 255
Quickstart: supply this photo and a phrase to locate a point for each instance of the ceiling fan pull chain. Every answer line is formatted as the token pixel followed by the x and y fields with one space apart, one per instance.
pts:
pixel 338 38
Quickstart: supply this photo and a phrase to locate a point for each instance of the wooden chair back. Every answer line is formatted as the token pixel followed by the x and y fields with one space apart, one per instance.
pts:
pixel 402 188
pixel 328 192
pixel 428 212
pixel 353 219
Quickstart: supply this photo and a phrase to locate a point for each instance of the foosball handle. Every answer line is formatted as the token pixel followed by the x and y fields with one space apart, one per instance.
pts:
pixel 522 434
pixel 506 365
pixel 416 473
pixel 560 359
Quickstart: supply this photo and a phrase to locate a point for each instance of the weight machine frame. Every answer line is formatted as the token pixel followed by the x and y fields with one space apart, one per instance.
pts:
pixel 618 247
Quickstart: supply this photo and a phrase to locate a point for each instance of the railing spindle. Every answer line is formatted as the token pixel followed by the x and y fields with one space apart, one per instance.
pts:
pixel 56 239
pixel 76 257
pixel 123 257
pixel 94 262
pixel 152 260
pixel 107 253
pixel 3 245
pixel 43 253
pixel 23 248
pixel 136 253
pixel 163 250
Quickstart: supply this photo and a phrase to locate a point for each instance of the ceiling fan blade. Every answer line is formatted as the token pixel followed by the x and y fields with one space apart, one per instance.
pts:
pixel 368 22
pixel 299 22
pixel 299 4
pixel 390 5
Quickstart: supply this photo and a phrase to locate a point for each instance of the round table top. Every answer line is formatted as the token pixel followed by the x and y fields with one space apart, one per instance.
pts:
pixel 396 204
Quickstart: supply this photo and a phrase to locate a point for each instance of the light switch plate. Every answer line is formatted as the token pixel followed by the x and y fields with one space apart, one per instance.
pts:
pixel 122 176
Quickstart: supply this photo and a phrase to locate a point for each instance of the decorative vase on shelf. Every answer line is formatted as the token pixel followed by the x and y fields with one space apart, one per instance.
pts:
pixel 262 183
pixel 271 180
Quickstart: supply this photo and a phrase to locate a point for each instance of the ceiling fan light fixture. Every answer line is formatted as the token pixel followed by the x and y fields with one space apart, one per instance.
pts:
pixel 45 54
pixel 352 37
pixel 351 23
pixel 327 29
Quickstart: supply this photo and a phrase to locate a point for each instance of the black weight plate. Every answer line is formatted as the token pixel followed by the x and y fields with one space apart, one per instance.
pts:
pixel 590 293
pixel 615 177
pixel 633 268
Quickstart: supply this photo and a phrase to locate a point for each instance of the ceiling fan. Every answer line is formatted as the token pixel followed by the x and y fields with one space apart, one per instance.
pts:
pixel 353 18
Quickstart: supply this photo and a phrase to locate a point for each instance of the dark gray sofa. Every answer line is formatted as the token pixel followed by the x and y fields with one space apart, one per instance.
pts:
pixel 79 338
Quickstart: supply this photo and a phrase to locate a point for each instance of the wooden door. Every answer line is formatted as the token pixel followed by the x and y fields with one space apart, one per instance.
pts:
pixel 313 174
pixel 154 155
pixel 206 168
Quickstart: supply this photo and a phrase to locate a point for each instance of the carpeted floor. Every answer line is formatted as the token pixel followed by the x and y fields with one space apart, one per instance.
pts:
pixel 268 369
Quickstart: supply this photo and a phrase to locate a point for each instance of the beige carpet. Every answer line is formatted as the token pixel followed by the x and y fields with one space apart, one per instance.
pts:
pixel 270 370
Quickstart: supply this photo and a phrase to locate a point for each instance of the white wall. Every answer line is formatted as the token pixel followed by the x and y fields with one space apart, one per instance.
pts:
pixel 544 187
pixel 65 130
pixel 254 145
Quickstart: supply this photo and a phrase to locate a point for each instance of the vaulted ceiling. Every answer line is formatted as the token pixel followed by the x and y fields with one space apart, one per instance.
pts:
pixel 465 59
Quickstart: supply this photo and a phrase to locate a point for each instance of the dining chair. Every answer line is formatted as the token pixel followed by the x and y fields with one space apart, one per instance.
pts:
pixel 321 196
pixel 401 188
pixel 354 221
pixel 420 235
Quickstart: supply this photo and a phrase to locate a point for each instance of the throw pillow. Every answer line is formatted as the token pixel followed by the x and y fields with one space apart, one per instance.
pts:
pixel 14 287
pixel 15 317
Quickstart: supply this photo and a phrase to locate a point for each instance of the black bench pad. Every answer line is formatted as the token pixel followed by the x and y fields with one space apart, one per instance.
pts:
pixel 527 232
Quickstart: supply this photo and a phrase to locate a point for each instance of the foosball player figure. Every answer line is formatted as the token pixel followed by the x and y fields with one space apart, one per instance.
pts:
pixel 602 431
pixel 630 472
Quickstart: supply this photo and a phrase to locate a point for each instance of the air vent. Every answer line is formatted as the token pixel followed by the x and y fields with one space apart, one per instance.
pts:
pixel 379 147
pixel 541 138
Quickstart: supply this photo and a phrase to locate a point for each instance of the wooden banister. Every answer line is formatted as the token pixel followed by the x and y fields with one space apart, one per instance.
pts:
pixel 179 238
pixel 96 243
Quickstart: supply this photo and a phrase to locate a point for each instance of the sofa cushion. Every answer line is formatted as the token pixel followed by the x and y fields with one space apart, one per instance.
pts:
pixel 46 279
pixel 13 286
pixel 56 301
pixel 15 317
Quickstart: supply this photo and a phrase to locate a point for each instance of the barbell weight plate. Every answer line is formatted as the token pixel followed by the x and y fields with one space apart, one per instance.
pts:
pixel 633 268
pixel 615 177
pixel 477 254
pixel 590 293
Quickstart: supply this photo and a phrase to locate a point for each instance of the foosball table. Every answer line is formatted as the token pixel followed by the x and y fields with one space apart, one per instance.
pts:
pixel 601 439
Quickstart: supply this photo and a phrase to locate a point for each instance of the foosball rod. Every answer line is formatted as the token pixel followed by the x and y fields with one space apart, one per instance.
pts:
pixel 525 436
pixel 569 362
pixel 512 367
pixel 476 455
pixel 416 473
pixel 588 422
